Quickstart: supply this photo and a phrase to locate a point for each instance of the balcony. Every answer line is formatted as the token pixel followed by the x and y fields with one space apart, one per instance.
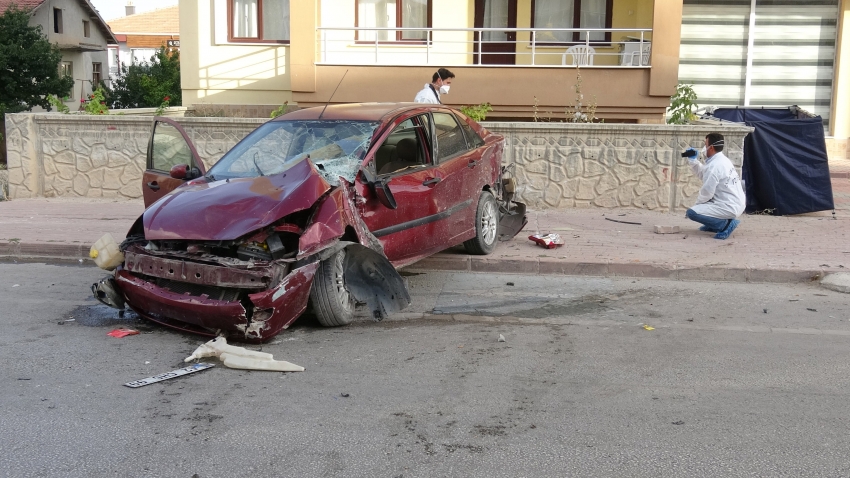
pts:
pixel 626 48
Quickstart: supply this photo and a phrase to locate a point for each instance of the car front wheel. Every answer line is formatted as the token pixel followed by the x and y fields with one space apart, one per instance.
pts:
pixel 332 303
pixel 486 226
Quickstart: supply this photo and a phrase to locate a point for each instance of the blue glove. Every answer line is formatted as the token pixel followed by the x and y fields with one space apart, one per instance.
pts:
pixel 691 154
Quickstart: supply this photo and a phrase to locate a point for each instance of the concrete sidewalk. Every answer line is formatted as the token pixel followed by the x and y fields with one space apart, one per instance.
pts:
pixel 762 249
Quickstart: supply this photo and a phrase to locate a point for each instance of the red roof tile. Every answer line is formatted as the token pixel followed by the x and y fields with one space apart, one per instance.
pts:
pixel 163 20
pixel 22 4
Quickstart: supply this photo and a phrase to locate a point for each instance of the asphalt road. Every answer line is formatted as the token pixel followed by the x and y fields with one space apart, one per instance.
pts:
pixel 579 388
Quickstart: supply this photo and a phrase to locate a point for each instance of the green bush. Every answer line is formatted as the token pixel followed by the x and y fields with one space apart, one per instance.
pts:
pixel 96 104
pixel 281 110
pixel 146 84
pixel 682 105
pixel 477 113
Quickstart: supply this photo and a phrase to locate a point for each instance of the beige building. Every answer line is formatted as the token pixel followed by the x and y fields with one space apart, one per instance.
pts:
pixel 82 36
pixel 140 35
pixel 517 55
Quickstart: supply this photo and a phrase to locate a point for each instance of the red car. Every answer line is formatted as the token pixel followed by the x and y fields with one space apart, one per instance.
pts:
pixel 321 205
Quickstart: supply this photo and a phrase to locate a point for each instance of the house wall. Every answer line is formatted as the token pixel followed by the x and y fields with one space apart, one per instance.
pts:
pixel 558 165
pixel 840 144
pixel 69 42
pixel 215 72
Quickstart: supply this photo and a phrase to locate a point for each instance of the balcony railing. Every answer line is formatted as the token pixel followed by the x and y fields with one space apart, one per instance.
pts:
pixel 530 47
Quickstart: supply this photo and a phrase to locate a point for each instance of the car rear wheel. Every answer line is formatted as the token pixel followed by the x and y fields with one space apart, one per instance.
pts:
pixel 332 303
pixel 486 226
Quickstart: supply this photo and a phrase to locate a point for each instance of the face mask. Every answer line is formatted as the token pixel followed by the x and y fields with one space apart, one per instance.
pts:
pixel 704 151
pixel 444 89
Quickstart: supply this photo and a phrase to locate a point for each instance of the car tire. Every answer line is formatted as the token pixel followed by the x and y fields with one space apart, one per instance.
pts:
pixel 486 226
pixel 332 303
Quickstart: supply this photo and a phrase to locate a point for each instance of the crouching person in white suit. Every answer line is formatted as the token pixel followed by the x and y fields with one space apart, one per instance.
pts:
pixel 721 199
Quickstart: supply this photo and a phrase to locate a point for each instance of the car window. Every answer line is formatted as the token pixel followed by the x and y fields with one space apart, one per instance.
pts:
pixel 450 140
pixel 472 137
pixel 405 147
pixel 336 147
pixel 169 148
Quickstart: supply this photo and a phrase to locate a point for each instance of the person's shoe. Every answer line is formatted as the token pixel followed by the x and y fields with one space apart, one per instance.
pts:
pixel 728 231
pixel 707 229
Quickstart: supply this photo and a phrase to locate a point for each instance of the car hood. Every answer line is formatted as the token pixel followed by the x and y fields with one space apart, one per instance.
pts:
pixel 228 209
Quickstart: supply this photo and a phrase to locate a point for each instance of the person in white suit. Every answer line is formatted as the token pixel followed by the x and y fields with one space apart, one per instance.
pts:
pixel 721 199
pixel 440 83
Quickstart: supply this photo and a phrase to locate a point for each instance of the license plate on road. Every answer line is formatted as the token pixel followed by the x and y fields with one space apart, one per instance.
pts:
pixel 167 375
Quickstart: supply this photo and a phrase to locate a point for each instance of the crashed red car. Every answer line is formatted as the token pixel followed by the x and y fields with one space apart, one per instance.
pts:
pixel 318 206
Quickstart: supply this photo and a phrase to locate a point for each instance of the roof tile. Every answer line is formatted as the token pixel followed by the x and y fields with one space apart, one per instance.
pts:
pixel 163 20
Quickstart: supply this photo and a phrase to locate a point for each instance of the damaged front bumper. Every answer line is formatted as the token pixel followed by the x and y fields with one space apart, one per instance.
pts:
pixel 260 317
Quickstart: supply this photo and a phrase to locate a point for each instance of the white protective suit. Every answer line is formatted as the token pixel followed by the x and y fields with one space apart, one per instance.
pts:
pixel 722 195
pixel 427 95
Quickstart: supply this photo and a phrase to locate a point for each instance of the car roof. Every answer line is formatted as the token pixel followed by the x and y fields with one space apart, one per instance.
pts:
pixel 356 111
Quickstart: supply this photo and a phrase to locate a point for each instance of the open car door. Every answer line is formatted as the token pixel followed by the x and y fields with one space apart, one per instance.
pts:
pixel 171 161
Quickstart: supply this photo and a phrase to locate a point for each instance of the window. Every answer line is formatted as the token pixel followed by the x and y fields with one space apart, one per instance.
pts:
pixel 57 20
pixel 450 140
pixel 66 68
pixel 264 21
pixel 472 137
pixel 86 29
pixel 405 147
pixel 169 148
pixel 571 14
pixel 392 14
pixel 96 76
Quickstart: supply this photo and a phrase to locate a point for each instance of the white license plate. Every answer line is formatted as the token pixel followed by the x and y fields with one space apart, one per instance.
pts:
pixel 167 375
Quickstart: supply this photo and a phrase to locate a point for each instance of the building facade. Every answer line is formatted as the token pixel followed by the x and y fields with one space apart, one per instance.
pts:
pixel 81 35
pixel 520 55
pixel 140 35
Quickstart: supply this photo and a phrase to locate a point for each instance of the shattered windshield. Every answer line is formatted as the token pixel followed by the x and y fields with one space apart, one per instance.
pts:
pixel 336 148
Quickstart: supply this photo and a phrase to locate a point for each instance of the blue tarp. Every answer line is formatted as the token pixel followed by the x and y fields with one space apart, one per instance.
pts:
pixel 786 168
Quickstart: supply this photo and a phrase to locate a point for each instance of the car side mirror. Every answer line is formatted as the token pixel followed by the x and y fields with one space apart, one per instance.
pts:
pixel 183 171
pixel 385 196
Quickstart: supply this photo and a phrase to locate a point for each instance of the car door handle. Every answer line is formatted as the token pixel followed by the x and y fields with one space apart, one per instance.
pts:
pixel 153 185
pixel 431 181
pixel 473 163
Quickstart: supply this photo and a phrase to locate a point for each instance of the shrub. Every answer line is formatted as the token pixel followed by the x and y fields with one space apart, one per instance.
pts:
pixel 477 113
pixel 682 105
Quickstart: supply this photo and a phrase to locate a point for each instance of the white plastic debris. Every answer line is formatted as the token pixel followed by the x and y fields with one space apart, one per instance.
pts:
pixel 106 253
pixel 501 338
pixel 241 358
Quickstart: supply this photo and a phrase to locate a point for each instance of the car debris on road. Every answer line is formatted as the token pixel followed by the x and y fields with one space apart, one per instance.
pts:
pixel 241 358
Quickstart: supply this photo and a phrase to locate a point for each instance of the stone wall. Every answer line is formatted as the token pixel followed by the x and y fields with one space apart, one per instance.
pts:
pixel 52 155
pixel 4 185
pixel 558 165
pixel 561 165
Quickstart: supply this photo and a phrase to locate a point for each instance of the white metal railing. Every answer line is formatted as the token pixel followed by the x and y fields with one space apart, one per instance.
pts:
pixel 628 48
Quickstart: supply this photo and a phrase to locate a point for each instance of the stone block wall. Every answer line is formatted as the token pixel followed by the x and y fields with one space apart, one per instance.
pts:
pixel 52 155
pixel 562 165
pixel 4 185
pixel 557 165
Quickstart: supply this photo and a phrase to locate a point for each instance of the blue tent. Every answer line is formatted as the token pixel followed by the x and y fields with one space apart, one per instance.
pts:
pixel 786 168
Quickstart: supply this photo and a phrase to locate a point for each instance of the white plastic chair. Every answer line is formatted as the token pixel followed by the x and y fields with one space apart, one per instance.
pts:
pixel 582 55
pixel 641 58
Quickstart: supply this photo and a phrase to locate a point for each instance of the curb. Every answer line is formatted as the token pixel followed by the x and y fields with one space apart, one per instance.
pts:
pixel 64 253
pixel 464 263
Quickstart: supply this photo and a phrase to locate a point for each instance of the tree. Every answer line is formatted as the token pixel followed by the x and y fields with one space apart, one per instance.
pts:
pixel 29 65
pixel 147 84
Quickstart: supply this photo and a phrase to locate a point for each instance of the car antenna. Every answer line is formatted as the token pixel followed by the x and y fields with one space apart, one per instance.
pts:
pixel 332 94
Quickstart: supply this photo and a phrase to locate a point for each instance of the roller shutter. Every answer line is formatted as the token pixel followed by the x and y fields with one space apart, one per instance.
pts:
pixel 792 60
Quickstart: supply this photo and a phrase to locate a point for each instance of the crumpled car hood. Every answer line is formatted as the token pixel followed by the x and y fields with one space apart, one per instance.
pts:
pixel 228 209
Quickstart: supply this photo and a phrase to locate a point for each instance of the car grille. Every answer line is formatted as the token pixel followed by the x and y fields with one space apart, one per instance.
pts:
pixel 215 293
